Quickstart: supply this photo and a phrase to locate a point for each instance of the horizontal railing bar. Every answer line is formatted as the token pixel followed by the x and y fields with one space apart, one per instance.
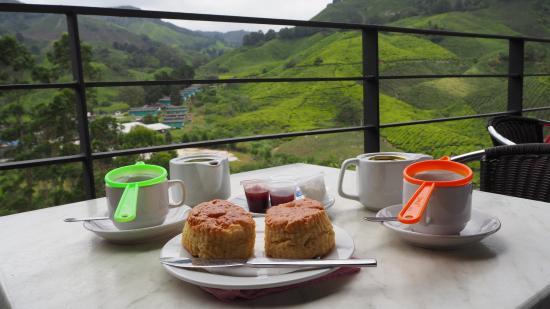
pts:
pixel 446 76
pixel 117 12
pixel 37 86
pixel 218 81
pixel 428 121
pixel 535 109
pixel 535 74
pixel 110 154
pixel 242 80
pixel 40 162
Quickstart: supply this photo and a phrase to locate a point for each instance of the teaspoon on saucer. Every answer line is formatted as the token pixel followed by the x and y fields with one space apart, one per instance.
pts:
pixel 85 219
pixel 380 219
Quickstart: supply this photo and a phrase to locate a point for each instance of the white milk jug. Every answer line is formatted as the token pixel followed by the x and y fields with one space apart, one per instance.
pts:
pixel 206 177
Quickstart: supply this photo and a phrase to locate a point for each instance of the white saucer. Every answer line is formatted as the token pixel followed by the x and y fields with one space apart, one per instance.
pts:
pixel 480 226
pixel 240 200
pixel 253 278
pixel 172 225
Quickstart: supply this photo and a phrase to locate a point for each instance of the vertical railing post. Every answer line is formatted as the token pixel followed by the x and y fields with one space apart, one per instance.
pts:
pixel 81 108
pixel 371 97
pixel 515 81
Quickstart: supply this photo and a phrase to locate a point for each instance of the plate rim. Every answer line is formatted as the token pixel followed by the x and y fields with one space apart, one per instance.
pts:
pixel 276 280
pixel 90 226
pixel 435 236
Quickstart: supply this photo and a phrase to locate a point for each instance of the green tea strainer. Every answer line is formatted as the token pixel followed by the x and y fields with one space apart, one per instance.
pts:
pixel 131 178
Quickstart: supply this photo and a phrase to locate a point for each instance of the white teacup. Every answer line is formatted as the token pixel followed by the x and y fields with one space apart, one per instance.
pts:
pixel 449 203
pixel 144 190
pixel 152 204
pixel 379 177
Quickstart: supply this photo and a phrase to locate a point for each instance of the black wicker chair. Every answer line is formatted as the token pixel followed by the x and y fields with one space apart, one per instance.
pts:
pixel 517 170
pixel 521 170
pixel 510 130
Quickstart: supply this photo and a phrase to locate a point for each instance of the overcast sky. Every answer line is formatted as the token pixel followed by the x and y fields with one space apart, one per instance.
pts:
pixel 288 9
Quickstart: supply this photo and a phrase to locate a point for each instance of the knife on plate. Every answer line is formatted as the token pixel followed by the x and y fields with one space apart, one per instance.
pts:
pixel 182 262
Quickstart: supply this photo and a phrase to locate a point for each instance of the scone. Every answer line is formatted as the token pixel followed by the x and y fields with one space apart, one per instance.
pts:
pixel 299 229
pixel 219 230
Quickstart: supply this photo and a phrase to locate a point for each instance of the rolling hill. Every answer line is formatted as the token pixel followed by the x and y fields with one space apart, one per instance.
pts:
pixel 304 106
pixel 37 31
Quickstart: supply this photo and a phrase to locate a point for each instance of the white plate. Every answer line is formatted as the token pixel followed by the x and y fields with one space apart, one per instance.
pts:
pixel 480 226
pixel 242 278
pixel 172 225
pixel 240 200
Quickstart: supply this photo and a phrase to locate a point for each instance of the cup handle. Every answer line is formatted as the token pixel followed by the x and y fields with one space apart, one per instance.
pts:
pixel 417 204
pixel 345 165
pixel 182 187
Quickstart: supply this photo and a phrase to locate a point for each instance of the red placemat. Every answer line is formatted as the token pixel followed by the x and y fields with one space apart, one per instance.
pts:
pixel 232 295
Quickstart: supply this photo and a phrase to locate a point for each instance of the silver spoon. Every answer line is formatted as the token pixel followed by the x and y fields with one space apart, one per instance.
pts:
pixel 85 219
pixel 380 219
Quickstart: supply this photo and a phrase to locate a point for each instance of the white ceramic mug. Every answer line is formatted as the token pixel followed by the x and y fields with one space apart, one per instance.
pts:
pixel 449 206
pixel 379 177
pixel 152 204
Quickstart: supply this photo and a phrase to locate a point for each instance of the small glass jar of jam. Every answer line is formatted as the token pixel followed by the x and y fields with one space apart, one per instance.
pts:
pixel 257 195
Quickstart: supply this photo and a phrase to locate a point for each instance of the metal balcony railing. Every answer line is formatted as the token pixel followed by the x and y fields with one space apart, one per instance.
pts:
pixel 370 79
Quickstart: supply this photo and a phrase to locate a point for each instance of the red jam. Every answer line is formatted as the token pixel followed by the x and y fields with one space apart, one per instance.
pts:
pixel 281 199
pixel 257 197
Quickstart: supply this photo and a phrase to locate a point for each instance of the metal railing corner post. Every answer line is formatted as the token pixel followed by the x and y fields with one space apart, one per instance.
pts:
pixel 81 108
pixel 515 78
pixel 371 90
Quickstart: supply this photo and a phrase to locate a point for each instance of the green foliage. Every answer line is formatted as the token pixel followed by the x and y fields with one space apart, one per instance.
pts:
pixel 104 132
pixel 148 119
pixel 133 96
pixel 141 137
pixel 60 57
pixel 15 60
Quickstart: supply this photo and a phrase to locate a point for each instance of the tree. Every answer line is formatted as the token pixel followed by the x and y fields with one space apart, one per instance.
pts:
pixel 349 112
pixel 286 33
pixel 253 38
pixel 134 96
pixel 15 60
pixel 105 134
pixel 148 119
pixel 141 137
pixel 153 93
pixel 270 35
pixel 60 57
pixel 162 158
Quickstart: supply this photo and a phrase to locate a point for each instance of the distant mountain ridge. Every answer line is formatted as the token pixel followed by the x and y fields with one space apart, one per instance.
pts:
pixel 529 17
pixel 40 29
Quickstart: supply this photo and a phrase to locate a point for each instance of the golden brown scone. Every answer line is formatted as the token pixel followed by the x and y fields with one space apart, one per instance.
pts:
pixel 219 230
pixel 299 229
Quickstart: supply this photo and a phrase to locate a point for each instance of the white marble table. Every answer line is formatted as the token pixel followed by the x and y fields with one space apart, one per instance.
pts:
pixel 46 263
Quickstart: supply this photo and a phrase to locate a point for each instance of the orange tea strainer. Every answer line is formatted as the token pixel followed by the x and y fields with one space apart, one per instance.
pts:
pixel 421 173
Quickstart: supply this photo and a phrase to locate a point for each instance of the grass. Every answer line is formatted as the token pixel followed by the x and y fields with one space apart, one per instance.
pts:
pixel 115 107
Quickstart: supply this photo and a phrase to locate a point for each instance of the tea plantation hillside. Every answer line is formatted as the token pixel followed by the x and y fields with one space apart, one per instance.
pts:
pixel 276 107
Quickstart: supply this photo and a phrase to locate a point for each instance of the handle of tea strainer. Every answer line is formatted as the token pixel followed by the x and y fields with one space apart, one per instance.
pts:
pixel 126 209
pixel 417 204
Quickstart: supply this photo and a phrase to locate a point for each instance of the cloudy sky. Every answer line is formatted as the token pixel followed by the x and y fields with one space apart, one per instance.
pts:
pixel 288 9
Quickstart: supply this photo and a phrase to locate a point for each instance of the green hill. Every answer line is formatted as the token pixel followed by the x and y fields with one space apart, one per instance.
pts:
pixel 280 107
pixel 37 31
